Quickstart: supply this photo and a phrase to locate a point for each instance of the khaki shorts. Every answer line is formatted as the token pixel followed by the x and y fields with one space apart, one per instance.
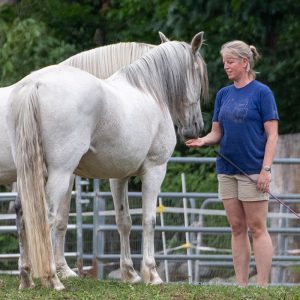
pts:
pixel 240 187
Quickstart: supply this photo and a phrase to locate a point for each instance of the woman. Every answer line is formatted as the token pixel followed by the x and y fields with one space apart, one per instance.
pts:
pixel 245 124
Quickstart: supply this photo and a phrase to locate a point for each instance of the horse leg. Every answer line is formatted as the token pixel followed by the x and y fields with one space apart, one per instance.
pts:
pixel 151 182
pixel 57 188
pixel 24 262
pixel 11 207
pixel 119 189
pixel 59 233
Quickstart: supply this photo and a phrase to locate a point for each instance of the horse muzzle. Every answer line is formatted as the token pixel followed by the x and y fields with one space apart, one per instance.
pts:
pixel 191 132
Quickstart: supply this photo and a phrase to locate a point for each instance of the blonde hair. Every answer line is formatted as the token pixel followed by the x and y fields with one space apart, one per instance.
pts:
pixel 242 50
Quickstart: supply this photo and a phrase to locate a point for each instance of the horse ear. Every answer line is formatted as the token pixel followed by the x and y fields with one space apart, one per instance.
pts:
pixel 197 41
pixel 163 38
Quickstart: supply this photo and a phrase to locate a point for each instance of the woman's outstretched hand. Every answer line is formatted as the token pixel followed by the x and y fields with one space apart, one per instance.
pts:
pixel 194 143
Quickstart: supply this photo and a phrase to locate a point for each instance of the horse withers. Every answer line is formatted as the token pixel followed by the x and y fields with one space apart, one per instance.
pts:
pixel 63 121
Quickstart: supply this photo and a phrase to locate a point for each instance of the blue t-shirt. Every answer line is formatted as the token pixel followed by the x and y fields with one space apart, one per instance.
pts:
pixel 241 113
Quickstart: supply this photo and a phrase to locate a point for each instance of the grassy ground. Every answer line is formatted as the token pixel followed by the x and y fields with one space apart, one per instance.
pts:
pixel 87 288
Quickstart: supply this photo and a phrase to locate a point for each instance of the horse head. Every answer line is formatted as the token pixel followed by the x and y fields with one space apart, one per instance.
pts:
pixel 186 113
pixel 174 74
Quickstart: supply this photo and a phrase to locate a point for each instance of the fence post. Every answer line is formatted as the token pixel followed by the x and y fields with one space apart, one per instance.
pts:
pixel 99 235
pixel 186 224
pixel 163 235
pixel 79 225
pixel 96 184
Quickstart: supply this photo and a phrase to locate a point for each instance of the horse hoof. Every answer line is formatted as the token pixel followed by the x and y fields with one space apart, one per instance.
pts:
pixel 69 274
pixel 151 277
pixel 137 279
pixel 157 281
pixel 133 280
pixel 66 273
pixel 59 287
pixel 26 287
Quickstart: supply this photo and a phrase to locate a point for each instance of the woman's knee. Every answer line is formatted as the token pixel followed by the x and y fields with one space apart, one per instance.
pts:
pixel 257 228
pixel 238 227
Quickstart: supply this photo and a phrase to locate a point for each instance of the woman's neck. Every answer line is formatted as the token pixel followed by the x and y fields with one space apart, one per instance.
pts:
pixel 242 81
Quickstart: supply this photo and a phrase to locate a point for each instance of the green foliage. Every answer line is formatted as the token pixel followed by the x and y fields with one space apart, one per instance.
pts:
pixel 27 46
pixel 134 20
pixel 199 177
pixel 74 22
pixel 76 25
pixel 273 28
pixel 9 243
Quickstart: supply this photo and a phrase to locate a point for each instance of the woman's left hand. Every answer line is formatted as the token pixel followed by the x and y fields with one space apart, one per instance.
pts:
pixel 263 181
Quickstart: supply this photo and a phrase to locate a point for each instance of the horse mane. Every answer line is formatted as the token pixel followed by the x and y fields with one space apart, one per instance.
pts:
pixel 168 87
pixel 103 61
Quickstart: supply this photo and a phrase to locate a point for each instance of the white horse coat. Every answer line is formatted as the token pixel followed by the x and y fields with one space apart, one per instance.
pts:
pixel 63 121
pixel 8 172
pixel 102 62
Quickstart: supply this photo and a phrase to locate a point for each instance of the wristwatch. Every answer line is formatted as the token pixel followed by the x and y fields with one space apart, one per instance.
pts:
pixel 267 168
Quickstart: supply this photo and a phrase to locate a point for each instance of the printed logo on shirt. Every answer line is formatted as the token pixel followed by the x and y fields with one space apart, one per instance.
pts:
pixel 234 110
pixel 240 110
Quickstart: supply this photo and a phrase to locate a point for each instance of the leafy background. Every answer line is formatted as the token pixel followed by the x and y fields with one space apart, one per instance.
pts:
pixel 37 33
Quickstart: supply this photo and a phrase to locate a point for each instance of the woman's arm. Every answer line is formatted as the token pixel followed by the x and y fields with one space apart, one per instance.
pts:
pixel 271 129
pixel 211 138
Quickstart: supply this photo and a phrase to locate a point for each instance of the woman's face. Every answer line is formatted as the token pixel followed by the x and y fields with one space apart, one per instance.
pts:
pixel 235 67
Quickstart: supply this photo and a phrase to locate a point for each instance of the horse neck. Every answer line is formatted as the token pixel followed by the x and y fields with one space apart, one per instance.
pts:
pixel 104 61
pixel 162 74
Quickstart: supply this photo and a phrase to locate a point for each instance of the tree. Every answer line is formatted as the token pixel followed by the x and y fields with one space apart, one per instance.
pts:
pixel 27 46
pixel 34 34
pixel 38 33
pixel 274 28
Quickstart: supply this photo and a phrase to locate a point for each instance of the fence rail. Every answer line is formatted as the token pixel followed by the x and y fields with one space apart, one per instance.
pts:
pixel 100 229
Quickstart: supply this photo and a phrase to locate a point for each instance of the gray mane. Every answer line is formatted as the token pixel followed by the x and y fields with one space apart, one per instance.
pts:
pixel 166 71
pixel 102 62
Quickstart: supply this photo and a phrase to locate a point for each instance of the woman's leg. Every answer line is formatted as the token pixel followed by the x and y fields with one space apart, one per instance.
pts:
pixel 240 243
pixel 256 216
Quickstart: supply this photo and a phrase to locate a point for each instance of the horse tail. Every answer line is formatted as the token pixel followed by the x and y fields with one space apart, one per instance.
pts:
pixel 29 158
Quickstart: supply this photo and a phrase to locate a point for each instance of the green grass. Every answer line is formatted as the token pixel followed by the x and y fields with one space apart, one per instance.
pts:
pixel 87 288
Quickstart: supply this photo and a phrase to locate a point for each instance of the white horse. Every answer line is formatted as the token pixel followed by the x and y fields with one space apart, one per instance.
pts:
pixel 63 121
pixel 101 62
